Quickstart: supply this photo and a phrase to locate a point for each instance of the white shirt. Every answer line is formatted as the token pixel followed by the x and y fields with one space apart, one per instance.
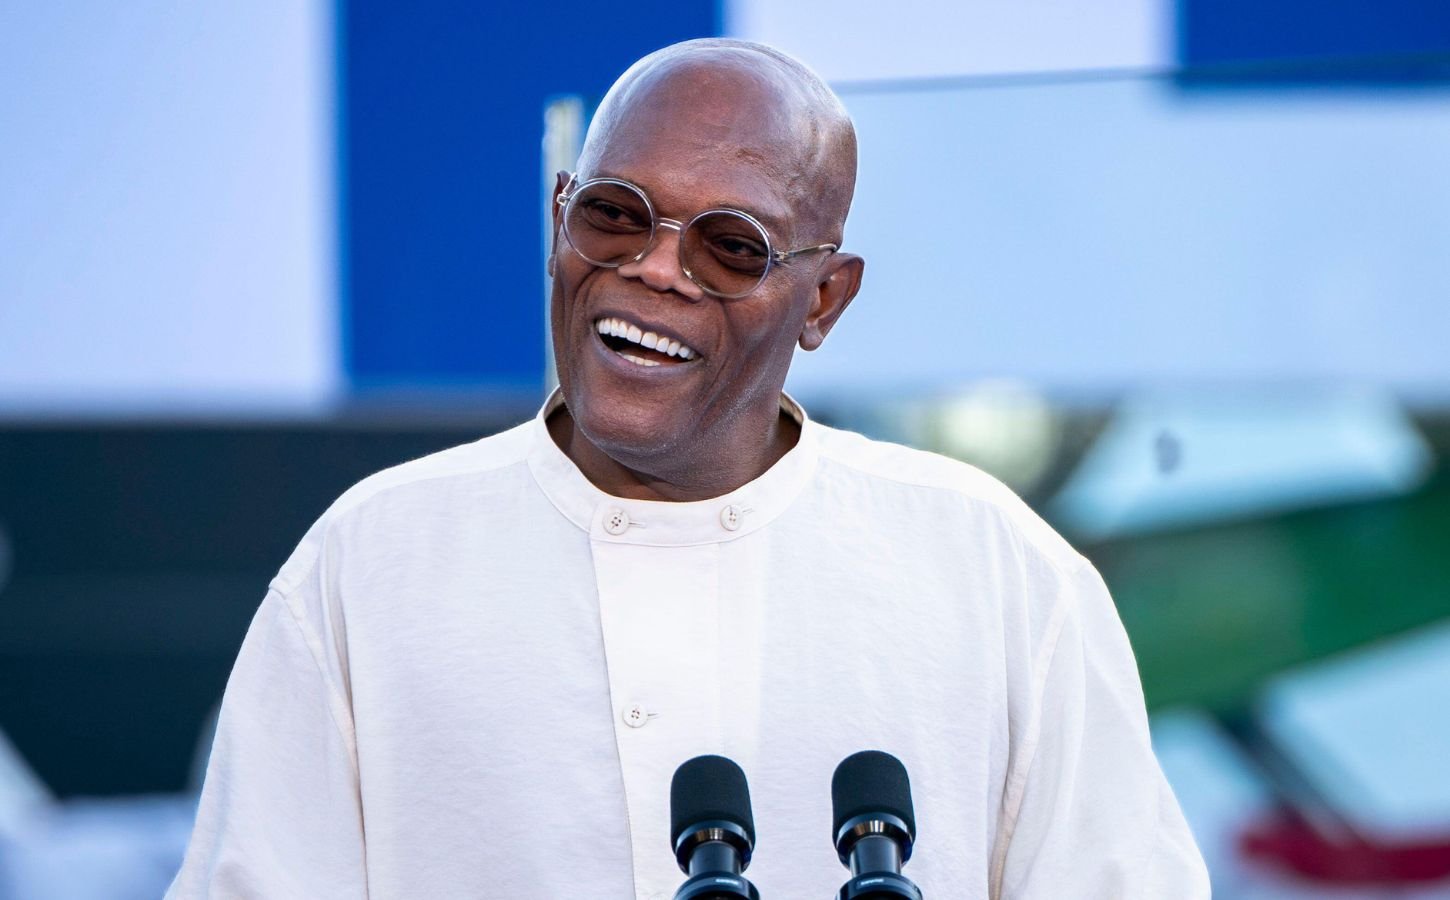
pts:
pixel 478 672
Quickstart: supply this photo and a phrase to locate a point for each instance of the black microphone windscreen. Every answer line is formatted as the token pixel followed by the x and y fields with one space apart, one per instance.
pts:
pixel 709 788
pixel 871 782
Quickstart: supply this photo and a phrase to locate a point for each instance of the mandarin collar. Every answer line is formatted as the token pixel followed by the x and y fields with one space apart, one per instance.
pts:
pixel 660 523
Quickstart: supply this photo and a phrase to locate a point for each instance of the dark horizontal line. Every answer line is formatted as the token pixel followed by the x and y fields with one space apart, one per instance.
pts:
pixel 1275 69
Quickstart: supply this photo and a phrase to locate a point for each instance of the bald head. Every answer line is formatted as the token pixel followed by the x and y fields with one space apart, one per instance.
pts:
pixel 770 110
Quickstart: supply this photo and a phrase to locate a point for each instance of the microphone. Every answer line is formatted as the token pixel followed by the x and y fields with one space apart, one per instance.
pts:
pixel 711 829
pixel 874 826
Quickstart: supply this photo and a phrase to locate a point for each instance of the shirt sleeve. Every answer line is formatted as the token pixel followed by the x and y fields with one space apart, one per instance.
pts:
pixel 1094 816
pixel 280 812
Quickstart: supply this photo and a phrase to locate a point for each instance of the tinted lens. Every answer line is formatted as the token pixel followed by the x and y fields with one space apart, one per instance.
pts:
pixel 608 224
pixel 725 252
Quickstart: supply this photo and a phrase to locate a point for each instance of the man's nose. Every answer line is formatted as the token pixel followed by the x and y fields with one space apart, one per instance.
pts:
pixel 660 268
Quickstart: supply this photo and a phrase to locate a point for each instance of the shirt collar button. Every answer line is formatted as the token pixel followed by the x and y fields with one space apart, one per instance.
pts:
pixel 731 517
pixel 616 521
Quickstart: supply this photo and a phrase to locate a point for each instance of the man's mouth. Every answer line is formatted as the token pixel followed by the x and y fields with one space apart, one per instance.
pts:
pixel 641 347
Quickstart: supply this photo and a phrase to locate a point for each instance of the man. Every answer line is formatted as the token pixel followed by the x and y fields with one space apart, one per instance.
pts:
pixel 477 673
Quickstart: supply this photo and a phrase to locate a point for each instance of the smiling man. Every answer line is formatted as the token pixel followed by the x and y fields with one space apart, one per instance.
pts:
pixel 707 212
pixel 478 671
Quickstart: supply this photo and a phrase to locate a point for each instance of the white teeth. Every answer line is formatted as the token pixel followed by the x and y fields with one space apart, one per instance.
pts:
pixel 640 362
pixel 648 339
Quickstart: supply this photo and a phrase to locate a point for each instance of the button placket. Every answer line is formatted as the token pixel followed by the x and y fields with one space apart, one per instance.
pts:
pixel 653 644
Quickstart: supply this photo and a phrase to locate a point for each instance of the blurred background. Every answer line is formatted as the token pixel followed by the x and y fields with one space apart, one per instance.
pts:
pixel 1178 271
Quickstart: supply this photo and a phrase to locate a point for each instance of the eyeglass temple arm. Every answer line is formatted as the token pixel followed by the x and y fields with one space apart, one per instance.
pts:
pixel 563 196
pixel 783 255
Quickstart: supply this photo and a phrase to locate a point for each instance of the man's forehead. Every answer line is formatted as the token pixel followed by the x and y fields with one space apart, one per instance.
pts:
pixel 713 102
pixel 768 135
pixel 727 76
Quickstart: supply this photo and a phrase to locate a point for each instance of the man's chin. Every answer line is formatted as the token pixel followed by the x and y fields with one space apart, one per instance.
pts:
pixel 627 430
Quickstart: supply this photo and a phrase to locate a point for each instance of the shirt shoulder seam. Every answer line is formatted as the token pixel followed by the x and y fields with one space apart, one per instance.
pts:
pixel 341 509
pixel 362 492
pixel 1017 779
pixel 345 506
pixel 1074 563
pixel 336 704
pixel 1152 846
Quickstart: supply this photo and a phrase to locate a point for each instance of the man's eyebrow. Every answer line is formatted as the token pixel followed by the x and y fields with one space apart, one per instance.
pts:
pixel 774 220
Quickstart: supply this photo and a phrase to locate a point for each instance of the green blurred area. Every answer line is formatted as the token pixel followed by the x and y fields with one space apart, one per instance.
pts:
pixel 1213 612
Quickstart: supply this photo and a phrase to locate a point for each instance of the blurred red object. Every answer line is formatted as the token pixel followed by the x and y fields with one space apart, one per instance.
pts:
pixel 1286 840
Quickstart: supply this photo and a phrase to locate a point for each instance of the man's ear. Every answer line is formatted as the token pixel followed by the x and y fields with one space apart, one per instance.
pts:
pixel 840 279
pixel 561 181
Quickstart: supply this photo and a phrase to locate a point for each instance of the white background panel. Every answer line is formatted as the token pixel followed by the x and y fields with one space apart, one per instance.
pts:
pixel 1096 234
pixel 866 40
pixel 166 206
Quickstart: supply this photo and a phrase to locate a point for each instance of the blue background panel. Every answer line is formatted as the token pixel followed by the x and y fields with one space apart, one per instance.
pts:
pixel 1234 31
pixel 441 121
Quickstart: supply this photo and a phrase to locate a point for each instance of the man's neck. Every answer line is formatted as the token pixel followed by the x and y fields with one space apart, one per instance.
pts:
pixel 679 476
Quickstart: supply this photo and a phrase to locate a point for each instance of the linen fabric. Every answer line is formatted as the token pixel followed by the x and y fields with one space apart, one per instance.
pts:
pixel 478 672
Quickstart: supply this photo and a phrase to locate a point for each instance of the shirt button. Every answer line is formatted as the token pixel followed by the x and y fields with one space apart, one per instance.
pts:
pixel 635 716
pixel 616 521
pixel 731 517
